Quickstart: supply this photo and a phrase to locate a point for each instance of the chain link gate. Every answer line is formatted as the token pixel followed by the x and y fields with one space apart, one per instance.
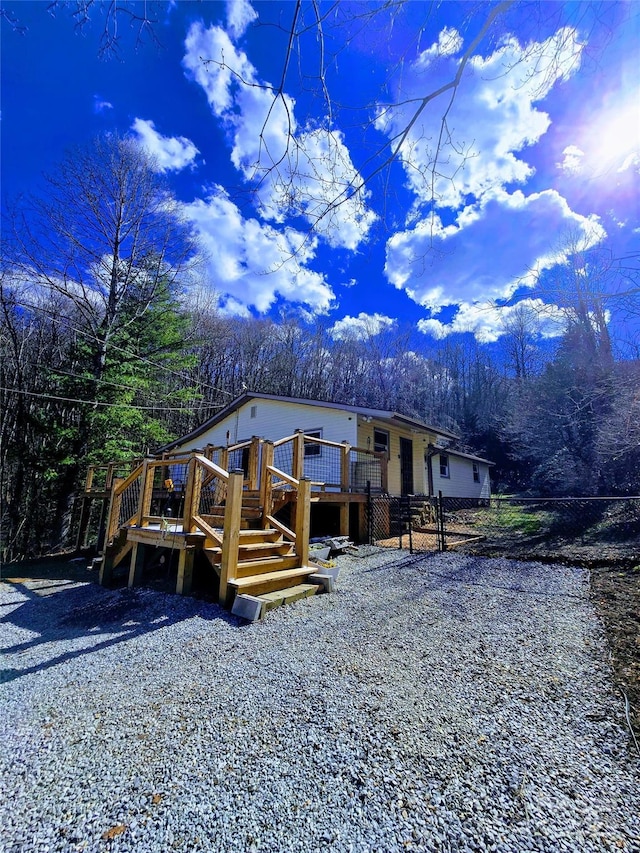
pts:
pixel 416 521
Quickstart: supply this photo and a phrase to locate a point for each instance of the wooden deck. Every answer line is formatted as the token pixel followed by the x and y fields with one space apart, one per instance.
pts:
pixel 250 527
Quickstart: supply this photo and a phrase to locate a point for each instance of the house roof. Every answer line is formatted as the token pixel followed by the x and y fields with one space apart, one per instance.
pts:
pixel 470 456
pixel 378 414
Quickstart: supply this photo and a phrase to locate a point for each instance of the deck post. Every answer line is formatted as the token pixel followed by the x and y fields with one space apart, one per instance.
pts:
pixel 345 458
pixel 297 463
pixel 384 472
pixel 144 506
pixel 252 472
pixel 303 520
pixel 137 565
pixel 191 495
pixel 185 571
pixel 231 533
pixel 266 481
pixel 113 516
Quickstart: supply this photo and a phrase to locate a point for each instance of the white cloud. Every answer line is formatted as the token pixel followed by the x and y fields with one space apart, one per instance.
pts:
pixel 573 160
pixel 295 171
pixel 489 322
pixel 493 249
pixel 168 153
pixel 100 105
pixel 361 327
pixel 492 116
pixel 251 264
pixel 240 14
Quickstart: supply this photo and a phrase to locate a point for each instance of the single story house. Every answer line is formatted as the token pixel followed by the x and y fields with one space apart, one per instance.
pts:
pixel 420 459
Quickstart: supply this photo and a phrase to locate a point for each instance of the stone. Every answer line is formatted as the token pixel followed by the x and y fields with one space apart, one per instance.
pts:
pixel 248 607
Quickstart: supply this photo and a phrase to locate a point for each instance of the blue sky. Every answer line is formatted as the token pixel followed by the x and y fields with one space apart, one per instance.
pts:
pixel 538 149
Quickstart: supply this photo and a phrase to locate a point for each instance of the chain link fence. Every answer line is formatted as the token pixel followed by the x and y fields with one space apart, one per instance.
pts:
pixel 590 528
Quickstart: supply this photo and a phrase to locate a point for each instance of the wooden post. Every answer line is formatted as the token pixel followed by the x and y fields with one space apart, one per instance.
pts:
pixel 303 520
pixel 185 571
pixel 266 481
pixel 231 533
pixel 191 495
pixel 146 491
pixel 345 458
pixel 114 511
pixel 252 472
pixel 384 472
pixel 297 463
pixel 224 458
pixel 89 482
pixel 137 564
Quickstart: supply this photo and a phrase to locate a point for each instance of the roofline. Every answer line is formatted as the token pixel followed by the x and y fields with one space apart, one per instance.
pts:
pixel 470 456
pixel 359 410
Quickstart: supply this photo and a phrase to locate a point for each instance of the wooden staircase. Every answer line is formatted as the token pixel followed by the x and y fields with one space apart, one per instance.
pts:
pixel 252 552
pixel 266 563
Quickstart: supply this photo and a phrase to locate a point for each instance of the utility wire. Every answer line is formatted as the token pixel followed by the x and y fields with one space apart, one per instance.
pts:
pixel 107 405
pixel 91 337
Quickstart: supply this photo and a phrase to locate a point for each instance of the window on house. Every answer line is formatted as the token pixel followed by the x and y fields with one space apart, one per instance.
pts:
pixel 444 465
pixel 381 441
pixel 254 411
pixel 311 449
pixel 476 472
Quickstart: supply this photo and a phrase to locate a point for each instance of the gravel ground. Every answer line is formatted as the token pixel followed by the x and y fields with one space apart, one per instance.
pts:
pixel 432 703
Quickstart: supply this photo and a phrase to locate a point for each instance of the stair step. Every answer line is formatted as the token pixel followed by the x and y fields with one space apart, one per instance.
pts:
pixel 217 522
pixel 270 581
pixel 270 534
pixel 289 595
pixel 266 549
pixel 268 565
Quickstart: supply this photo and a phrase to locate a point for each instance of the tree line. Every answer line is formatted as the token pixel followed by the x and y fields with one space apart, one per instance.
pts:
pixel 110 347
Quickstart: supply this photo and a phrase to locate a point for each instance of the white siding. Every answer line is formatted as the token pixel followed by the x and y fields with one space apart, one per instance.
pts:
pixel 276 419
pixel 460 482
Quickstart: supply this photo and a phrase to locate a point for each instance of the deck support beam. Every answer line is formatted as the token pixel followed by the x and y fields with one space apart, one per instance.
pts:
pixel 185 571
pixel 137 564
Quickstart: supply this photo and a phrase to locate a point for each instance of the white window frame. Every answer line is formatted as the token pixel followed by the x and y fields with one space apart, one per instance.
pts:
pixel 476 472
pixel 444 466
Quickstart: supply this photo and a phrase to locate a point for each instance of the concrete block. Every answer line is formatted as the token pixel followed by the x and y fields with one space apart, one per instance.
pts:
pixel 248 607
pixel 326 581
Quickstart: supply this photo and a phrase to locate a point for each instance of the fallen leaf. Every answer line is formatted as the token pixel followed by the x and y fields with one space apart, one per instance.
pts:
pixel 114 832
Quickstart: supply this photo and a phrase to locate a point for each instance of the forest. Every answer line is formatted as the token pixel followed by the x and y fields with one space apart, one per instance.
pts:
pixel 111 344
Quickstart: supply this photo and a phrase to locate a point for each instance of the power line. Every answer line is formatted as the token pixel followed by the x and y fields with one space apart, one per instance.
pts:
pixel 126 352
pixel 107 405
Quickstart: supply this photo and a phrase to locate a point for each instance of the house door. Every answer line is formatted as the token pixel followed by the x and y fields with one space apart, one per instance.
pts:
pixel 406 466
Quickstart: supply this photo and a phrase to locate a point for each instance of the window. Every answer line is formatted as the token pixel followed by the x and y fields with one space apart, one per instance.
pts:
pixel 381 441
pixel 476 472
pixel 444 465
pixel 311 449
pixel 254 411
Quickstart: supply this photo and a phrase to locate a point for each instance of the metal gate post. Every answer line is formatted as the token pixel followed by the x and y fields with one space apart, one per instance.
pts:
pixel 441 524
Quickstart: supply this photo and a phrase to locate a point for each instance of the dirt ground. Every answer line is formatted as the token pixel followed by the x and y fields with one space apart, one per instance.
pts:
pixel 615 592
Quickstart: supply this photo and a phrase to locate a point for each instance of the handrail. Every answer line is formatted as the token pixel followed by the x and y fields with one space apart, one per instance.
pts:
pixel 271 469
pixel 212 467
pixel 119 488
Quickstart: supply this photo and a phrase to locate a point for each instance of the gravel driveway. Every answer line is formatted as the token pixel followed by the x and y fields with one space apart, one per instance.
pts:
pixel 432 703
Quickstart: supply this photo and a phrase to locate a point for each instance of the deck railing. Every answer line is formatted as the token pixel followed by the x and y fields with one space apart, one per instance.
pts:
pixel 191 494
pixel 330 465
